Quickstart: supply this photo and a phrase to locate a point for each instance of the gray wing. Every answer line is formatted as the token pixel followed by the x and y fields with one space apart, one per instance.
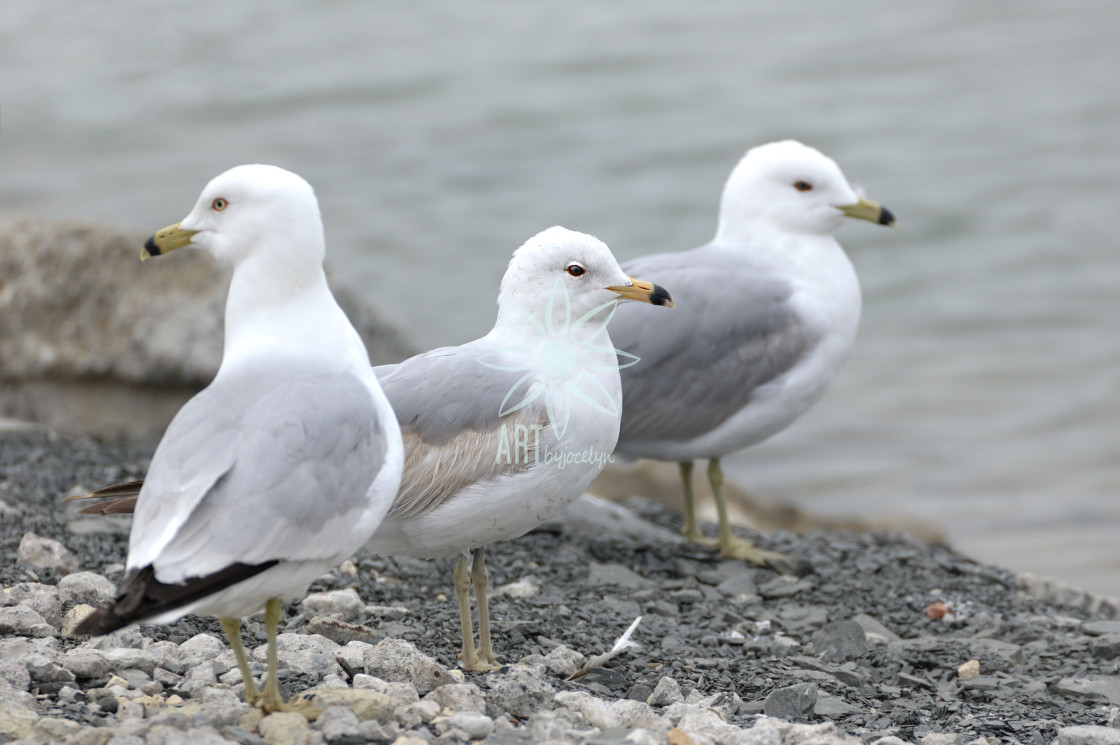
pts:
pixel 449 405
pixel 263 464
pixel 732 330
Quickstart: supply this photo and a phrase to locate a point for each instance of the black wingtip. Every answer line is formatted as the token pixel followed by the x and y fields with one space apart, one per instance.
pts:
pixel 142 596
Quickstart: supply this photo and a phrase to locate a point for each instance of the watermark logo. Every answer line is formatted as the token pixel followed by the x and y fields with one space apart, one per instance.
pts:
pixel 559 358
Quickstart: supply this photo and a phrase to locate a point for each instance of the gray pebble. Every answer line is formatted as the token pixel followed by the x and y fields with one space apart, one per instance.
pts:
pixel 1106 647
pixel 667 692
pixel 402 693
pixel 459 697
pixel 520 690
pixel 1100 628
pixel 1088 734
pixel 399 661
pixel 86 587
pixel 15 675
pixel 43 599
pixel 738 585
pixel 337 722
pixel 783 587
pixel 795 702
pixel 22 620
pixel 841 640
pixel 615 574
pixel 85 663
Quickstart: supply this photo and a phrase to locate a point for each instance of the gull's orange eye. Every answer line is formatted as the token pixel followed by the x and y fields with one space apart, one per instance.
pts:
pixel 802 186
pixel 575 270
pixel 219 204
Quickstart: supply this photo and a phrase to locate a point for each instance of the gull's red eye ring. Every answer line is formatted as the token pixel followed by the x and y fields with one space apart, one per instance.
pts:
pixel 575 270
pixel 219 204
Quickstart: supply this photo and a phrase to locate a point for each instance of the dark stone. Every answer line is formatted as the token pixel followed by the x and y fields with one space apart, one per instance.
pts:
pixel 1100 628
pixel 1106 647
pixel 795 703
pixel 739 584
pixel 783 588
pixel 841 640
pixel 605 676
pixel 639 692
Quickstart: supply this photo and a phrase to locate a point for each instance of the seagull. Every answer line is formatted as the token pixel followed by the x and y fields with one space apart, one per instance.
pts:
pixel 505 431
pixel 767 313
pixel 288 461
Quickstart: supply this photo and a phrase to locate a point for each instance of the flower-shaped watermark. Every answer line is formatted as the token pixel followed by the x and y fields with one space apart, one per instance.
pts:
pixel 559 357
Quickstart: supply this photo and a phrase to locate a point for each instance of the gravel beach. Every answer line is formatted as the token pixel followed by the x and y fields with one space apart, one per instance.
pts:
pixel 863 638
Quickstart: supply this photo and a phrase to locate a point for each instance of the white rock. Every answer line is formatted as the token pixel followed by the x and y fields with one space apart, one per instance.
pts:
pixel 305 654
pixel 630 713
pixel 354 654
pixel 398 661
pixel 200 647
pixel 86 587
pixel 24 621
pixel 1088 734
pixel 15 675
pixel 343 604
pixel 595 711
pixel 969 670
pixel 43 599
pixel 667 692
pixel 337 722
pixel 402 693
pixel 526 587
pixel 563 662
pixel 521 690
pixel 45 553
pixel 16 722
pixel 459 697
pixel 73 617
pixel 475 724
pixel 85 663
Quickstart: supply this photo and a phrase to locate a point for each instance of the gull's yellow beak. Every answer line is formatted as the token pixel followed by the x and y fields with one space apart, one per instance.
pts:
pixel 647 292
pixel 870 210
pixel 166 240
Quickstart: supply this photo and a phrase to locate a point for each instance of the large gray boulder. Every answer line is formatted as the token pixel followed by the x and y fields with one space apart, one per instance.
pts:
pixel 92 341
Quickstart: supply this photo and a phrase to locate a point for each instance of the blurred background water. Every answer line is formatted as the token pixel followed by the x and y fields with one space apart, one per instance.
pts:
pixel 982 393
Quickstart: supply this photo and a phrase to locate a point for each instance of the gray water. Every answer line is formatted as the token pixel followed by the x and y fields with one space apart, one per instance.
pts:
pixel 982 393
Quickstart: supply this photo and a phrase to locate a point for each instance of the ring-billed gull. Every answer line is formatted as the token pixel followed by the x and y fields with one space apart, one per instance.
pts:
pixel 503 432
pixel 287 462
pixel 767 314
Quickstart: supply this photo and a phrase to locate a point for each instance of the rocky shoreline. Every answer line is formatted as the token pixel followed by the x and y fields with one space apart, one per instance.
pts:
pixel 864 637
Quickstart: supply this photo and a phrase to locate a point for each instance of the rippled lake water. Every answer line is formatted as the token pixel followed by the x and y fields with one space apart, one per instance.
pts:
pixel 982 394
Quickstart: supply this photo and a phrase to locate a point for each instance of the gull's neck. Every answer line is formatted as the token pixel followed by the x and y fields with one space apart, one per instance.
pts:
pixel 764 245
pixel 526 317
pixel 286 307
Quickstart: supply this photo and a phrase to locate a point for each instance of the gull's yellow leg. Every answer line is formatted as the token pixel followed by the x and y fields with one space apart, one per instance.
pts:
pixel 691 528
pixel 732 546
pixel 462 581
pixel 486 660
pixel 232 627
pixel 271 700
